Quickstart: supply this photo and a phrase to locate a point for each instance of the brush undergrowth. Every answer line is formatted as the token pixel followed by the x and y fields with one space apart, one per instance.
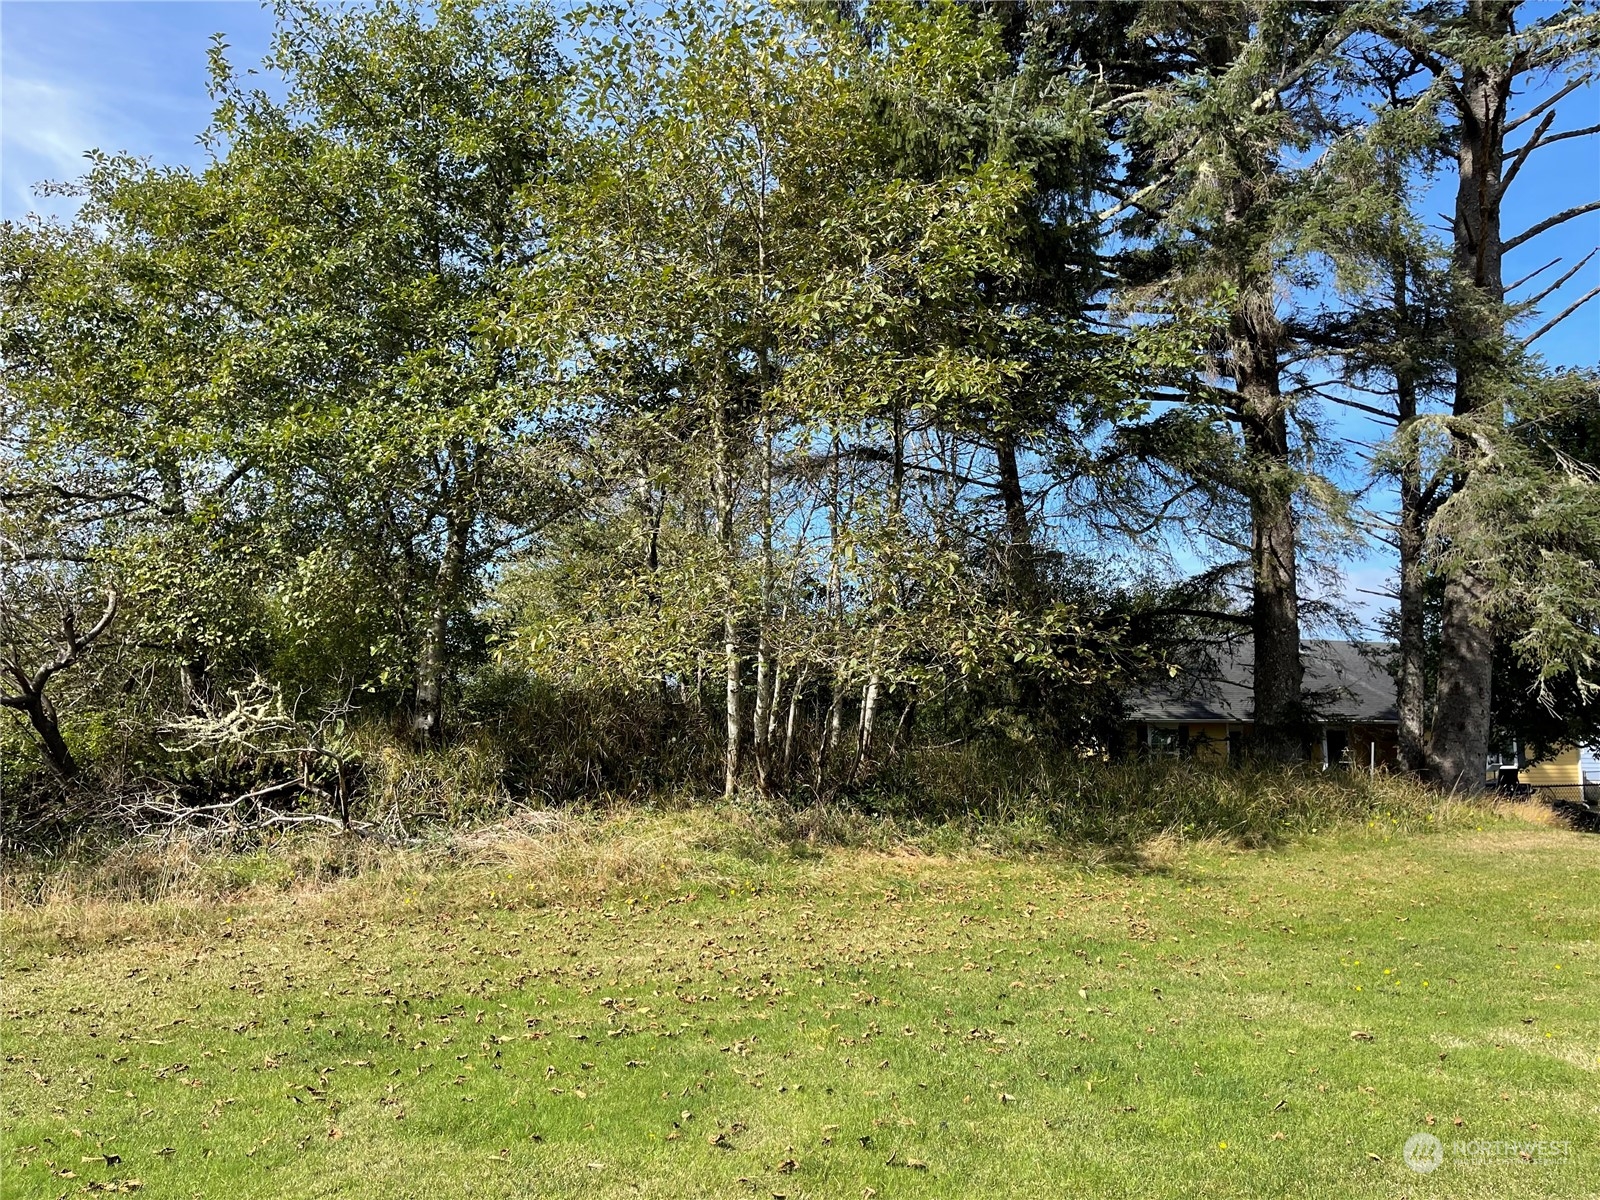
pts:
pixel 1135 816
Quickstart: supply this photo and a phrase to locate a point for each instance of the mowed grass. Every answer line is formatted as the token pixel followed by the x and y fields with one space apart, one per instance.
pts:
pixel 1206 1021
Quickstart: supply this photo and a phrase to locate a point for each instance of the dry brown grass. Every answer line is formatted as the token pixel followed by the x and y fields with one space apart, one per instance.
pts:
pixel 1162 852
pixel 1531 812
pixel 93 894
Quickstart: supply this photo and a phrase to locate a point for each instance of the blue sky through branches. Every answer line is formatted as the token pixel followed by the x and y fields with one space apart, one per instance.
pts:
pixel 131 77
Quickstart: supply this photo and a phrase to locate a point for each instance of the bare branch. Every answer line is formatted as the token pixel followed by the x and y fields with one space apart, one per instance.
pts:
pixel 43 556
pixel 1370 409
pixel 1134 201
pixel 1561 316
pixel 1518 157
pixel 1531 275
pixel 1206 614
pixel 76 645
pixel 1534 303
pixel 231 478
pixel 1569 133
pixel 1539 141
pixel 1560 218
pixel 1549 102
pixel 13 495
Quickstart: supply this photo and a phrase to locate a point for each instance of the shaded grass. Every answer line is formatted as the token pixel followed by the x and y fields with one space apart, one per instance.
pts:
pixel 737 1002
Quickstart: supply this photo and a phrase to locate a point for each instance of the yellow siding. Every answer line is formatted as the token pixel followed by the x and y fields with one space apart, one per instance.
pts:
pixel 1210 742
pixel 1558 769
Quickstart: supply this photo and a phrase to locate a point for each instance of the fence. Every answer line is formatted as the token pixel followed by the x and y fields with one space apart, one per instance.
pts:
pixel 1586 794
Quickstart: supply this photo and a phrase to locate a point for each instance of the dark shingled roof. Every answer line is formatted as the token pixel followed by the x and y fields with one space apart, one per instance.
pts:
pixel 1344 682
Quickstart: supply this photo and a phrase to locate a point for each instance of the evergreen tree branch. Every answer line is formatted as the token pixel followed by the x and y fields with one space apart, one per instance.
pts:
pixel 1534 303
pixel 1561 316
pixel 1560 218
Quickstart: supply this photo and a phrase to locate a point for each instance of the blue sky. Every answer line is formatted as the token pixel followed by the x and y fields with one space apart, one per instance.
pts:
pixel 117 77
pixel 132 77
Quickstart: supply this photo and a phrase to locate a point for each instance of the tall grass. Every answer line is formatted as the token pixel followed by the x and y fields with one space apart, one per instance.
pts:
pixel 952 803
pixel 1074 799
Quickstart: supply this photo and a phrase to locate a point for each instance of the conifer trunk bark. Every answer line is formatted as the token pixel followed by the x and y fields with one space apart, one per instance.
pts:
pixel 1459 746
pixel 1411 675
pixel 1256 337
pixel 1020 565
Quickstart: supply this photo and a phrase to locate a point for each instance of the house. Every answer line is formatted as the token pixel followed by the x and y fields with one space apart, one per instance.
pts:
pixel 1571 773
pixel 1207 711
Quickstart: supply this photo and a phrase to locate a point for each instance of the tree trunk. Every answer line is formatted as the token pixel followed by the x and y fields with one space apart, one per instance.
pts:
pixel 1274 581
pixel 828 737
pixel 194 679
pixel 769 691
pixel 791 720
pixel 30 697
pixel 759 727
pixel 1021 569
pixel 903 725
pixel 1459 747
pixel 890 590
pixel 832 725
pixel 1275 631
pixel 1411 677
pixel 427 721
pixel 766 677
pixel 869 718
pixel 722 485
pixel 42 716
pixel 733 691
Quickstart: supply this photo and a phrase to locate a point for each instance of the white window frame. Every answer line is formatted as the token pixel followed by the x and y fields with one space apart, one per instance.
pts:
pixel 1175 749
pixel 1497 761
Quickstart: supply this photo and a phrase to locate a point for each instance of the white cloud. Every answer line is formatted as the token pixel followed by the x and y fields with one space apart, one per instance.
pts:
pixel 45 121
pixel 44 132
pixel 115 77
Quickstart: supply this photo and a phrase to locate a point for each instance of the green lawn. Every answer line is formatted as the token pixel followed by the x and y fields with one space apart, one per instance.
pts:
pixel 1229 1023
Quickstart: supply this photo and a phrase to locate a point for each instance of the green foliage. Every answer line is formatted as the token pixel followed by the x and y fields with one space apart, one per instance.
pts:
pixel 1528 523
pixel 617 396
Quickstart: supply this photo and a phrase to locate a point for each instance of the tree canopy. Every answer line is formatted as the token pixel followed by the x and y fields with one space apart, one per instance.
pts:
pixel 790 387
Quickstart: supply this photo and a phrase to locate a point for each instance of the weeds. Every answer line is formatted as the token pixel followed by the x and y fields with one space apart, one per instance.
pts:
pixel 1137 817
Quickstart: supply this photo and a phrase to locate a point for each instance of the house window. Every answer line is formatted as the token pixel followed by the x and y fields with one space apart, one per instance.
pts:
pixel 1335 748
pixel 1503 756
pixel 1504 764
pixel 1166 741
